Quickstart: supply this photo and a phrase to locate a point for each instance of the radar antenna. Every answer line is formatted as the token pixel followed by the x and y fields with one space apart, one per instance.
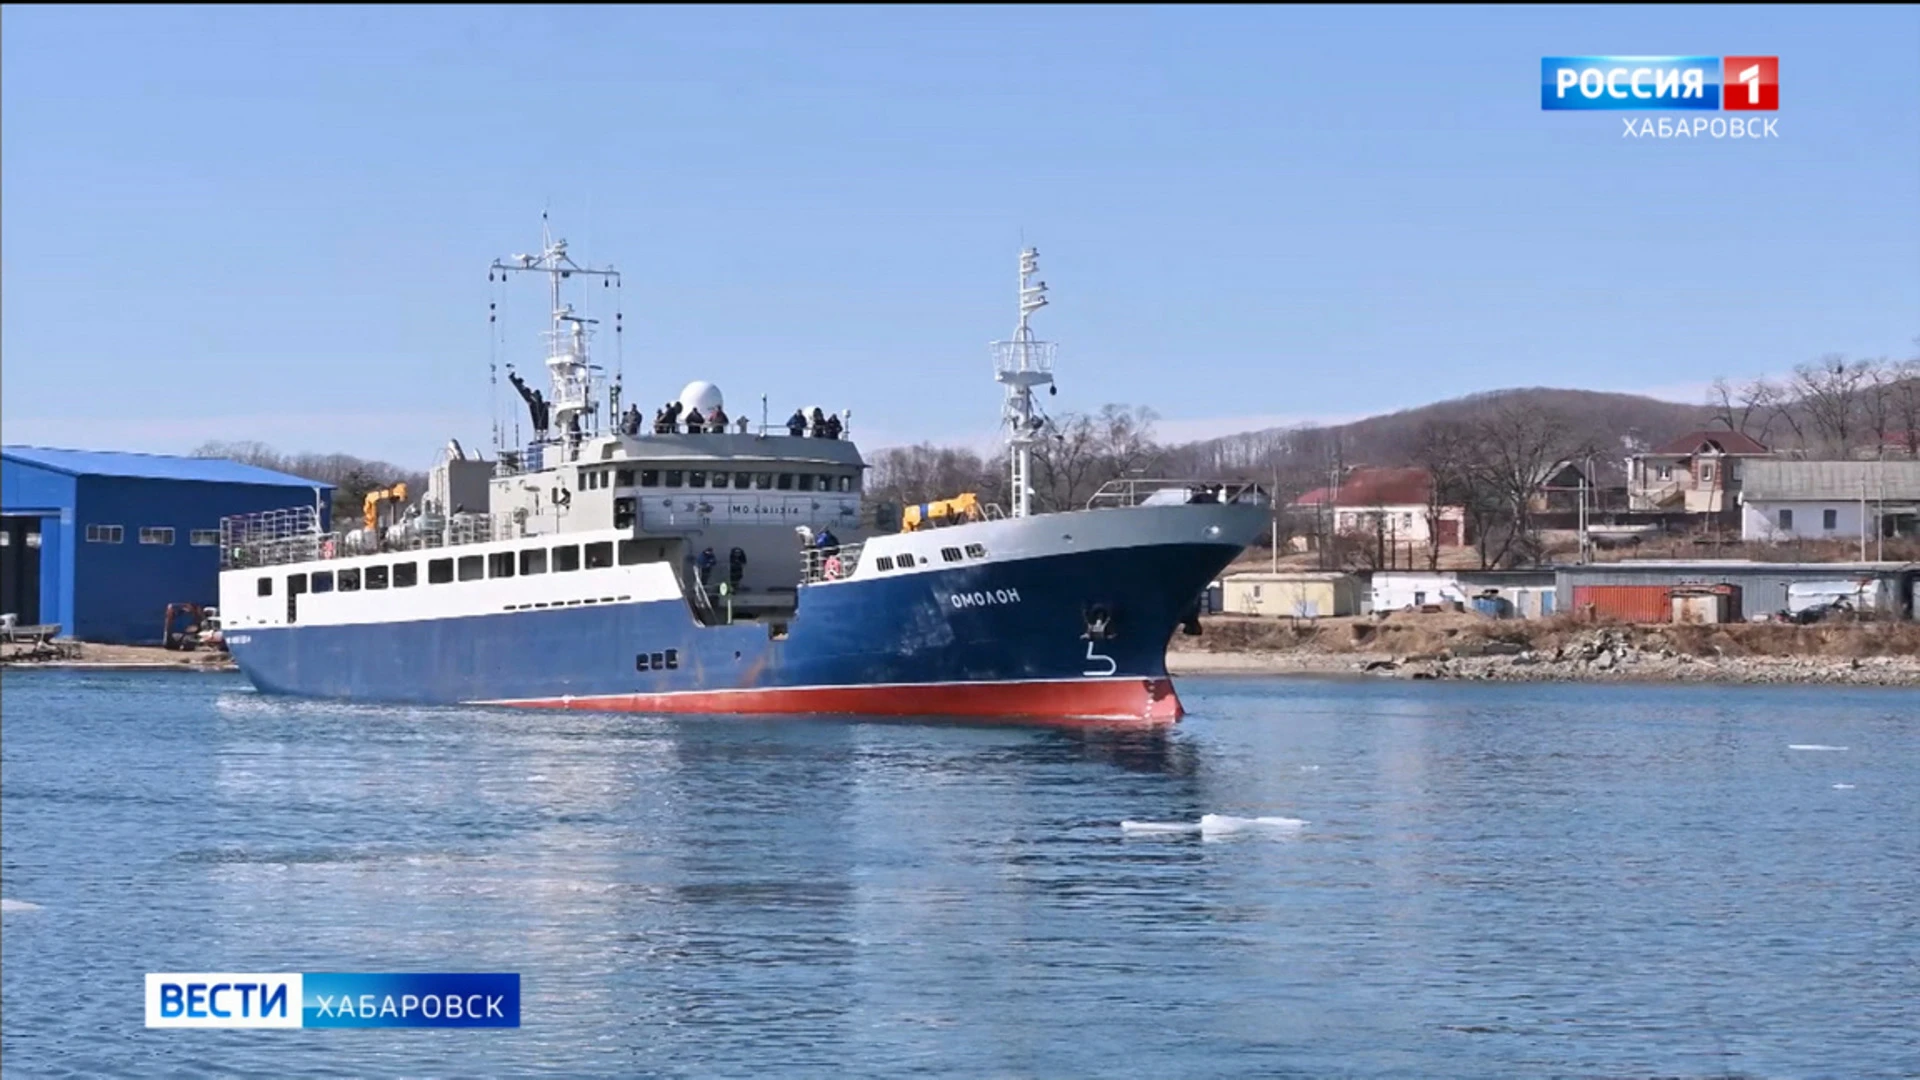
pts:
pixel 1020 365
pixel 569 370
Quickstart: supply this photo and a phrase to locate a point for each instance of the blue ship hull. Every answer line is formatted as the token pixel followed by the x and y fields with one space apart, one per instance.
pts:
pixel 1003 638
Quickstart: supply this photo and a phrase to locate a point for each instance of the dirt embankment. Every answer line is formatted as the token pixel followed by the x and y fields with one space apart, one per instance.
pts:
pixel 127 657
pixel 1466 646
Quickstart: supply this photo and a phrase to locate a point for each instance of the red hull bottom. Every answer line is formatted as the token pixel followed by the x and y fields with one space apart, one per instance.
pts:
pixel 1133 701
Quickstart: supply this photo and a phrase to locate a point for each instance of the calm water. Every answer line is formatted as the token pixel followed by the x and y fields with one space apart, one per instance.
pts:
pixel 1492 881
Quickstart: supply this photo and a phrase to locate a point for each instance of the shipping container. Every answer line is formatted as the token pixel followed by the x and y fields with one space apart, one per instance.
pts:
pixel 1628 603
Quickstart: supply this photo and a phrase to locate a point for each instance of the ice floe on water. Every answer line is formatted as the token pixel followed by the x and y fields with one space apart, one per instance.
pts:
pixel 1214 825
pixel 10 904
pixel 1813 746
pixel 1843 787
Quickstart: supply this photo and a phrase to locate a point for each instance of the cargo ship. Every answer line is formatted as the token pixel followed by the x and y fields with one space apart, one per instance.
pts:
pixel 700 563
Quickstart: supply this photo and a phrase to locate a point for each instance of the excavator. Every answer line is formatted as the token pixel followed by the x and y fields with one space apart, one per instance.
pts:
pixel 397 494
pixel 943 512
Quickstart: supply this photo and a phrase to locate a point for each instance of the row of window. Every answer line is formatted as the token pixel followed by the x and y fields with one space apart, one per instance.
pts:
pixel 151 534
pixel 594 479
pixel 905 561
pixel 560 559
pixel 1829 519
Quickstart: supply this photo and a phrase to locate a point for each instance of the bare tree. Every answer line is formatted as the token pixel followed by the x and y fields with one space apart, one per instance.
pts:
pixel 1830 394
pixel 1904 406
pixel 1087 450
pixel 1739 408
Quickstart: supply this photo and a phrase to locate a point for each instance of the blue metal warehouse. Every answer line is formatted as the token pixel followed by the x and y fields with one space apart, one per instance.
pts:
pixel 102 542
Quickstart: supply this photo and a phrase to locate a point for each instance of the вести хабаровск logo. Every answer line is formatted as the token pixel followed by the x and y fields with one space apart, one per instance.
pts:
pixel 333 999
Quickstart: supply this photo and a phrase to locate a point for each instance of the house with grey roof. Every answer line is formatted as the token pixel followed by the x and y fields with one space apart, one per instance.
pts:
pixel 1829 500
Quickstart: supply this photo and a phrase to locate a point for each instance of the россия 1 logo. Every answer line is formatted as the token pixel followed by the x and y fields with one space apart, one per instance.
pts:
pixel 1649 83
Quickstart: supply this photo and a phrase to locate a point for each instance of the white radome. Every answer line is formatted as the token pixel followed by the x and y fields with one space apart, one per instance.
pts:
pixel 701 395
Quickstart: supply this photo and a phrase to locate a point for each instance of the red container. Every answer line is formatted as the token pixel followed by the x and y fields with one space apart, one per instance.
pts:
pixel 1626 603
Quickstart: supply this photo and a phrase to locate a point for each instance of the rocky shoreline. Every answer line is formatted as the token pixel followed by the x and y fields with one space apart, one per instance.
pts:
pixel 1602 654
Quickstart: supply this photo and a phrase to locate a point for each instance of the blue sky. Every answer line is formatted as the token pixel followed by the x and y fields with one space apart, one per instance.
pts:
pixel 275 223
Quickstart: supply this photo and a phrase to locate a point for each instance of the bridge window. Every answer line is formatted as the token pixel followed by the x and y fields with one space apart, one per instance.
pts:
pixel 263 587
pixel 673 477
pixel 846 484
pixel 786 481
pixel 406 575
pixel 323 581
pixel 719 479
pixel 154 534
pixel 826 483
pixel 884 562
pixel 296 583
pixel 600 555
pixel 806 481
pixel 649 477
pixel 104 534
pixel 742 480
pixel 566 558
pixel 623 478
pixel 975 551
pixel 500 564
pixel 204 537
pixel 950 554
pixel 697 478
pixel 472 568
pixel 439 571
pixel 376 577
pixel 349 580
pixel 630 552
pixel 533 561
pixel 763 481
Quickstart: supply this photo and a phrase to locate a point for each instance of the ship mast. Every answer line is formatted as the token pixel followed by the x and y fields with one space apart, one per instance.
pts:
pixel 1021 365
pixel 570 372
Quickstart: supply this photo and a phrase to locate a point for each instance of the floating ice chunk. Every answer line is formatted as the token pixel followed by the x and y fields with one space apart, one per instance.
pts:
pixel 1309 768
pixel 1213 825
pixel 18 905
pixel 1843 787
pixel 537 778
pixel 1217 824
pixel 1812 746
pixel 1158 827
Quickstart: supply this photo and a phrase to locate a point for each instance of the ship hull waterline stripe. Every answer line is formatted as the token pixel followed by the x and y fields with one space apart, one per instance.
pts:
pixel 1141 700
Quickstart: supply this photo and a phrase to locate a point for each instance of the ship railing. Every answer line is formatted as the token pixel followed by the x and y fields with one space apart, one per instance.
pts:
pixel 279 537
pixel 819 565
pixel 1156 491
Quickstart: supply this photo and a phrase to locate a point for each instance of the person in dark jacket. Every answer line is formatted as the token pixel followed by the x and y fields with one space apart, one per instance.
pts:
pixel 536 405
pixel 705 565
pixel 695 422
pixel 797 424
pixel 818 427
pixel 833 427
pixel 717 421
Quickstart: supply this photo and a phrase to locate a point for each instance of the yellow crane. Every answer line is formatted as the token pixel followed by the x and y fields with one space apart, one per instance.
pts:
pixel 395 494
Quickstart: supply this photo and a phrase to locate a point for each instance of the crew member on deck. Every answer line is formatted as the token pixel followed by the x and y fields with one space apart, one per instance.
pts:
pixel 536 405
pixel 797 424
pixel 818 427
pixel 717 421
pixel 660 421
pixel 694 420
pixel 705 565
pixel 833 427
